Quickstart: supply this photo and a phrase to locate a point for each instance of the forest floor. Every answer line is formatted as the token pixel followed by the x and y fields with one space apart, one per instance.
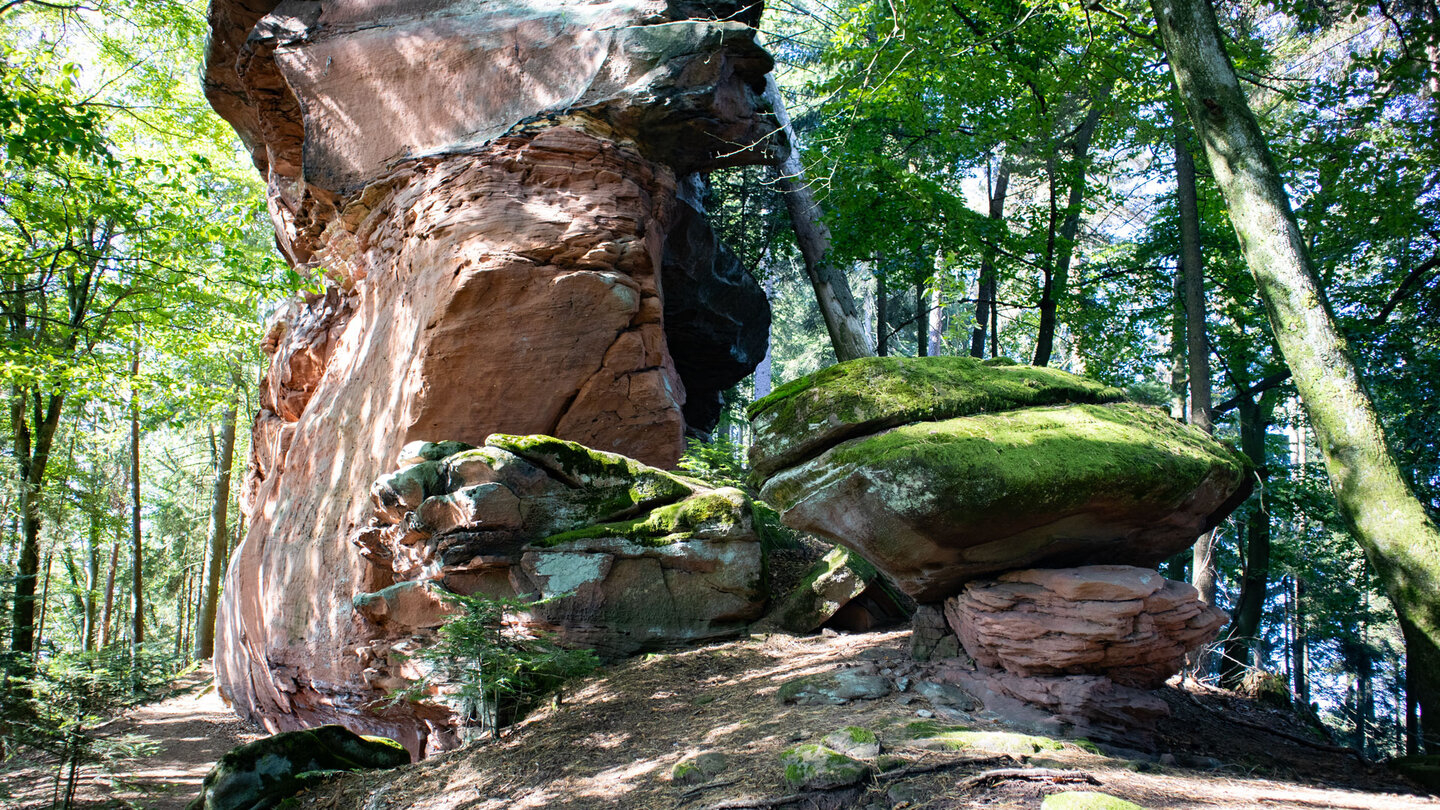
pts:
pixel 183 736
pixel 613 740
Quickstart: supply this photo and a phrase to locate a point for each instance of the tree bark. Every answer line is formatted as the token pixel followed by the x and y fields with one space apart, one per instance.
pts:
pixel 882 314
pixel 832 292
pixel 1069 228
pixel 985 286
pixel 92 579
pixel 218 538
pixel 35 419
pixel 109 612
pixel 1255 579
pixel 1398 537
pixel 922 321
pixel 137 564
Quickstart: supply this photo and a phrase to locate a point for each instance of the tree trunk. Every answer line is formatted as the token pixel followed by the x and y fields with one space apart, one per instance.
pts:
pixel 1249 609
pixel 1069 228
pixel 108 615
pixel 218 537
pixel 1398 537
pixel 922 321
pixel 92 580
pixel 1179 381
pixel 985 286
pixel 882 314
pixel 1301 649
pixel 44 602
pixel 832 291
pixel 937 320
pixel 34 428
pixel 137 564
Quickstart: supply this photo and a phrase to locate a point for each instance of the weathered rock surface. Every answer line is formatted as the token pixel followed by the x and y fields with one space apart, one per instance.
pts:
pixel 488 189
pixel 1128 624
pixel 262 774
pixel 990 469
pixel 629 557
pixel 1083 643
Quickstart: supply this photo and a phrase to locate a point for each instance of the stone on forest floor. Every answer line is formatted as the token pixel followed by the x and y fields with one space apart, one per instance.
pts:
pixel 854 741
pixel 834 688
pixel 1086 800
pixel 1129 624
pixel 816 767
pixel 977 470
pixel 697 769
pixel 262 774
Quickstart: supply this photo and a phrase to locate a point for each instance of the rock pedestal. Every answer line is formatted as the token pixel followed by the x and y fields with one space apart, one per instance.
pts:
pixel 1021 499
pixel 489 188
pixel 1083 642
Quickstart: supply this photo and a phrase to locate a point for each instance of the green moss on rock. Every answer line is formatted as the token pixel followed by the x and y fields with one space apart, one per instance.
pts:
pixel 1086 800
pixel 927 734
pixel 806 416
pixel 816 767
pixel 715 514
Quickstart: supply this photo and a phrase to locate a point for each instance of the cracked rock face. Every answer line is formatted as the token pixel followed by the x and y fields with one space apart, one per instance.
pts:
pixel 490 189
pixel 632 557
pixel 941 470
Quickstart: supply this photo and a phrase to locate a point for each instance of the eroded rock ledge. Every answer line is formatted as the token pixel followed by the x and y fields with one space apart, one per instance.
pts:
pixel 632 557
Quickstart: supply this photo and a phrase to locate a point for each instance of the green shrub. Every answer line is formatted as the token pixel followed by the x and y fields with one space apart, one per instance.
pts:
pixel 489 669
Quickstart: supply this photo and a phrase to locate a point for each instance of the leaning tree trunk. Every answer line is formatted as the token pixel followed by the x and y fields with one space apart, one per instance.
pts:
pixel 1398 537
pixel 832 291
pixel 219 511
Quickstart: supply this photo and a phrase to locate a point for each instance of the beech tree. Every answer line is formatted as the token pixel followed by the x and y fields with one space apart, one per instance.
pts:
pixel 1399 537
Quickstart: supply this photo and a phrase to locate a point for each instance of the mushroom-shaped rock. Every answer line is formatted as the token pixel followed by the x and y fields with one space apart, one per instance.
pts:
pixel 941 470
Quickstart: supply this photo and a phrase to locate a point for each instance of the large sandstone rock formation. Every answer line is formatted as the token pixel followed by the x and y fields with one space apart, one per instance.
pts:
pixel 940 470
pixel 490 188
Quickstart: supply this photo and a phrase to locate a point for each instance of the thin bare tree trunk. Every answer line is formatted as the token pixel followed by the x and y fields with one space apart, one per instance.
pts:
pixel 832 291
pixel 985 285
pixel 218 536
pixel 108 615
pixel 1398 537
pixel 137 565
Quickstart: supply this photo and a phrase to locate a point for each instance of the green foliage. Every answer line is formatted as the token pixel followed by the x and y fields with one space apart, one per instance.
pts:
pixel 718 462
pixel 55 713
pixel 489 669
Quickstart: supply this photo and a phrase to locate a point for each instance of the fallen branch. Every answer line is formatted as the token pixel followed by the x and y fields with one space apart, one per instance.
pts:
pixel 698 789
pixel 766 804
pixel 998 775
pixel 911 770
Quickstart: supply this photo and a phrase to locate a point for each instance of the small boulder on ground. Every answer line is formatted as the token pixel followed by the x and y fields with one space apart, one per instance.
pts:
pixel 816 767
pixel 262 774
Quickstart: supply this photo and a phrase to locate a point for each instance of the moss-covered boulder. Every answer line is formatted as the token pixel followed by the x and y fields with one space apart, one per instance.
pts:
pixel 854 741
pixel 940 472
pixel 262 774
pixel 829 585
pixel 816 767
pixel 620 556
pixel 932 735
pixel 806 416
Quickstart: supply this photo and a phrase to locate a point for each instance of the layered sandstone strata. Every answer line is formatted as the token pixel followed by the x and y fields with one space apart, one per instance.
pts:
pixel 490 189
pixel 1084 643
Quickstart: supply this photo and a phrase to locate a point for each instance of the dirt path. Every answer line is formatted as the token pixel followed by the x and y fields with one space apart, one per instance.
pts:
pixel 188 733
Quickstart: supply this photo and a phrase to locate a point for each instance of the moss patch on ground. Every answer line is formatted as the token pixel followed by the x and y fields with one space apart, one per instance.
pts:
pixel 929 734
pixel 1086 800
